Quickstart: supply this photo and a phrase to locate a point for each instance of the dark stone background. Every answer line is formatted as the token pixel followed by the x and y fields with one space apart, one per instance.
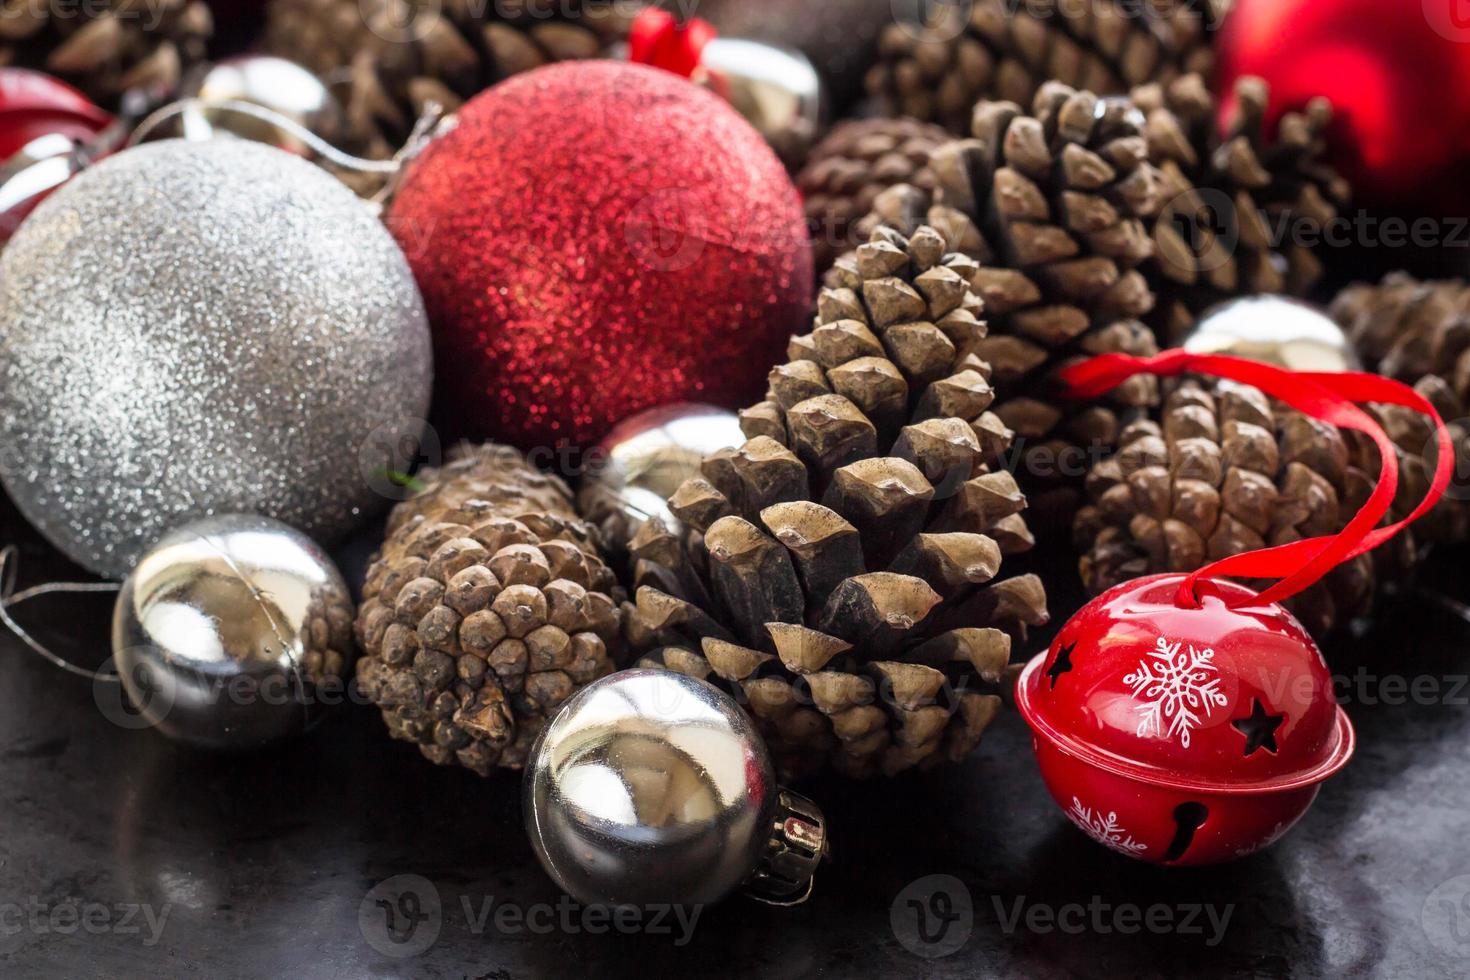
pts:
pixel 263 861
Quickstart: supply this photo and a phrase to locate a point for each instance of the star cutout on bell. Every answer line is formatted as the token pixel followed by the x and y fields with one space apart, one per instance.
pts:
pixel 1062 664
pixel 1259 729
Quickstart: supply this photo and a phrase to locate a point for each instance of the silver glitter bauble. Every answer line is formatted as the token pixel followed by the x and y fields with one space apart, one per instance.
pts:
pixel 1276 330
pixel 651 787
pixel 283 87
pixel 644 459
pixel 233 632
pixel 190 329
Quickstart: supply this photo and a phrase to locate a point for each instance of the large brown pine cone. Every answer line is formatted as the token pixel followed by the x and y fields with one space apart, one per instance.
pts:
pixel 1242 214
pixel 395 56
pixel 1419 333
pixel 840 571
pixel 847 170
pixel 1054 207
pixel 107 47
pixel 1224 470
pixel 486 609
pixel 1001 49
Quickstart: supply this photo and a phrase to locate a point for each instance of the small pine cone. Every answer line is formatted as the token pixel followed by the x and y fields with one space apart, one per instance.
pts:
pixel 1223 471
pixel 487 607
pixel 329 642
pixel 845 172
pixel 999 49
pixel 1419 333
pixel 1240 214
pixel 841 572
pixel 397 57
pixel 108 47
pixel 1053 207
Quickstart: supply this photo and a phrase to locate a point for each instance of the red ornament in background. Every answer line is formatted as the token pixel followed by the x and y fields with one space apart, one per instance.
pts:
pixel 34 105
pixel 1184 719
pixel 595 238
pixel 48 133
pixel 1398 76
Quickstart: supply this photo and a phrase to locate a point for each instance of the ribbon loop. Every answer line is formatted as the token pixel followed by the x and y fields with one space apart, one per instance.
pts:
pixel 1328 397
pixel 660 39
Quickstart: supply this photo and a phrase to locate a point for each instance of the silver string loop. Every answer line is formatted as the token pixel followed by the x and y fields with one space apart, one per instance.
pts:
pixel 9 598
pixel 430 124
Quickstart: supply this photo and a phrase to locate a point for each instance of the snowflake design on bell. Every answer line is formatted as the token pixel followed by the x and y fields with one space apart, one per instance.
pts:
pixel 1104 829
pixel 1177 689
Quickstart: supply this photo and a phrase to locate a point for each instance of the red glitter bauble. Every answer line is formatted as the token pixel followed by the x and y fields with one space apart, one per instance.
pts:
pixel 593 239
pixel 1398 75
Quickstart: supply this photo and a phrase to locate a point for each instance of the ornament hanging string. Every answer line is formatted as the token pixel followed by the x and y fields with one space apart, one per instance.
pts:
pixel 10 598
pixel 432 123
pixel 1328 397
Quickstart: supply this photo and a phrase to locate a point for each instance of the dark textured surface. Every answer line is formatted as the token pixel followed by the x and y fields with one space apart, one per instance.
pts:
pixel 262 862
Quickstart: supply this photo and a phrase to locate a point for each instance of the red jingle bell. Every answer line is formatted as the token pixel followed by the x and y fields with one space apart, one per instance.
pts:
pixel 1183 735
pixel 1184 719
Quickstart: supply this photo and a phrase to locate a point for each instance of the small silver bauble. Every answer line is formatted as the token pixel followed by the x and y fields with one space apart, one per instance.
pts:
pixel 1276 330
pixel 232 633
pixel 651 787
pixel 776 89
pixel 644 459
pixel 201 328
pixel 283 87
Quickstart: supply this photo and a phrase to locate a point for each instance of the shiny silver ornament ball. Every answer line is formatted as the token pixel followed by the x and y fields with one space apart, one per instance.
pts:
pixel 776 89
pixel 1276 330
pixel 233 633
pixel 650 787
pixel 643 460
pixel 190 329
pixel 281 86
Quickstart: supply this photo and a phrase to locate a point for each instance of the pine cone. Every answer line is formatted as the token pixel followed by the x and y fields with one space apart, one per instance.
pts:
pixel 1226 471
pixel 839 577
pixel 1419 333
pixel 397 56
pixel 107 47
pixel 1053 207
pixel 999 49
pixel 1237 213
pixel 845 172
pixel 487 607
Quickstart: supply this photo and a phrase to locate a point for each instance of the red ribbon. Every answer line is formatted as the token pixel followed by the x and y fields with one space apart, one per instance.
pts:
pixel 659 39
pixel 1325 396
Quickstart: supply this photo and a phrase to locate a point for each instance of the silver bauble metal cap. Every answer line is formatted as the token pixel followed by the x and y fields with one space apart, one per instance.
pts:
pixel 1275 330
pixel 650 787
pixel 201 328
pixel 232 633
